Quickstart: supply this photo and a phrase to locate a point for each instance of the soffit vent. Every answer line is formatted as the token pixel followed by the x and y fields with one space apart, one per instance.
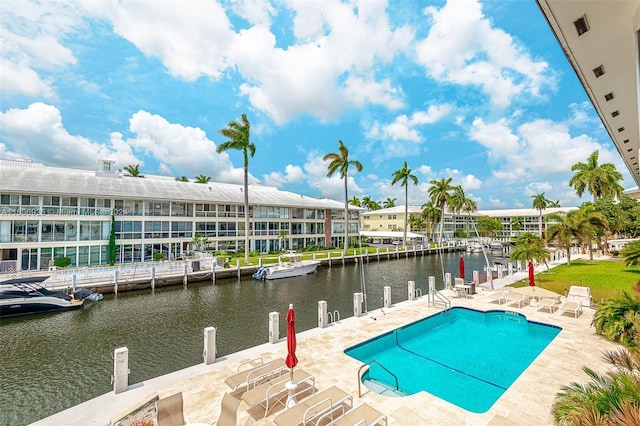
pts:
pixel 615 113
pixel 599 71
pixel 581 24
pixel 609 96
pixel 625 141
pixel 630 149
pixel 621 129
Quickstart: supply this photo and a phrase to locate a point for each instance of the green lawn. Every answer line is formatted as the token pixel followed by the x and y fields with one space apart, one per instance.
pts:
pixel 607 278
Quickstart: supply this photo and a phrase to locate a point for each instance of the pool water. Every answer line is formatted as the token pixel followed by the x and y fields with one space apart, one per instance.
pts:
pixel 464 356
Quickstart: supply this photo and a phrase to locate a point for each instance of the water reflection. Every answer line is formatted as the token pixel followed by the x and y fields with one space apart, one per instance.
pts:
pixel 52 362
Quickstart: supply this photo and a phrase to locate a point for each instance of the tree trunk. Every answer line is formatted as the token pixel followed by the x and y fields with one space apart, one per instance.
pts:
pixel 346 216
pixel 246 212
pixel 406 214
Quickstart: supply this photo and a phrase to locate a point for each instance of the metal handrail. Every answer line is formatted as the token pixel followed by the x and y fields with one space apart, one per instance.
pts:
pixel 444 299
pixel 367 365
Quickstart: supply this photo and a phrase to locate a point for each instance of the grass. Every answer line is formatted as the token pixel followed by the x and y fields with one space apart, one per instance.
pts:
pixel 608 279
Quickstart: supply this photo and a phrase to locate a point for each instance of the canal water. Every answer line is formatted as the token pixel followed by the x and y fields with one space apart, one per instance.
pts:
pixel 52 362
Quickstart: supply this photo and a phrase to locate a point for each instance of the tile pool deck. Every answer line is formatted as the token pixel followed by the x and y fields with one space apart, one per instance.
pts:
pixel 320 352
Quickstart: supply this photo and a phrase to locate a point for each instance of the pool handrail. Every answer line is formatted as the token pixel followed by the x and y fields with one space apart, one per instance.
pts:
pixel 381 366
pixel 444 299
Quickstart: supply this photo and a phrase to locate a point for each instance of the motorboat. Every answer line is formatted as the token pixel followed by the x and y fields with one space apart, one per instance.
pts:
pixel 25 296
pixel 475 248
pixel 289 265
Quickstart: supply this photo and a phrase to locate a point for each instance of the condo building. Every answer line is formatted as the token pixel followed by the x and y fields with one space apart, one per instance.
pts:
pixel 50 212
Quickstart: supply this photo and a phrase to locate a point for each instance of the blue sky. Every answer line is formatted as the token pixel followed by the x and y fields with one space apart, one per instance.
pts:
pixel 476 91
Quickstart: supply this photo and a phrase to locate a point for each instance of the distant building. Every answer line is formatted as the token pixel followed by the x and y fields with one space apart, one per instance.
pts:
pixel 392 219
pixel 50 212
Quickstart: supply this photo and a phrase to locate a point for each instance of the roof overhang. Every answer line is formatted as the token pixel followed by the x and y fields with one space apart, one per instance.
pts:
pixel 612 42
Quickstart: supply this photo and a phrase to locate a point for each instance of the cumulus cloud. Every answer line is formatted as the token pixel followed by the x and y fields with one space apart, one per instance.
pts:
pixel 31 36
pixel 186 148
pixel 38 133
pixel 291 174
pixel 484 56
pixel 406 127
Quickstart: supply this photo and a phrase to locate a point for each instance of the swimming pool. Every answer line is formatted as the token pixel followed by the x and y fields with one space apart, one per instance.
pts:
pixel 464 356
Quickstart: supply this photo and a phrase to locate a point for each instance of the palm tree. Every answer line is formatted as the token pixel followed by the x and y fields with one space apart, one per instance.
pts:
pixel 374 205
pixel 431 215
pixel 615 320
pixel 403 176
pixel 355 201
pixel 202 179
pixel 608 399
pixel 553 203
pixel 238 135
pixel 460 203
pixel 631 254
pixel 517 223
pixel 133 170
pixel 529 247
pixel 340 162
pixel 440 195
pixel 575 226
pixel 367 202
pixel 598 224
pixel 540 203
pixel 598 179
pixel 389 202
pixel 182 179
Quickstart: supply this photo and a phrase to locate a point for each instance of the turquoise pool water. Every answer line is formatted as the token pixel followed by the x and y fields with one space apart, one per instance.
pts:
pixel 464 356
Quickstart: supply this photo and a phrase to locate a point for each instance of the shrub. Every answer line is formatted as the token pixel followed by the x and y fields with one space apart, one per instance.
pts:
pixel 158 256
pixel 61 262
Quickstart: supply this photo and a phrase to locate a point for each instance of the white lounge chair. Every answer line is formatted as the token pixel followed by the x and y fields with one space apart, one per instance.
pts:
pixel 580 294
pixel 362 415
pixel 252 376
pixel 274 391
pixel 504 297
pixel 549 303
pixel 518 299
pixel 324 405
pixel 575 307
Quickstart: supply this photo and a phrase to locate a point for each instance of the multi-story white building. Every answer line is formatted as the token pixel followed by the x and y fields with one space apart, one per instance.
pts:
pixel 50 212
pixel 392 219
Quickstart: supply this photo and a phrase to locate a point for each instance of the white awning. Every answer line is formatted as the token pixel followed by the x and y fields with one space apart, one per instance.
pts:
pixel 390 234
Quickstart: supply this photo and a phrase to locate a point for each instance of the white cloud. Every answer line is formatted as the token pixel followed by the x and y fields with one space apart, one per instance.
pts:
pixel 405 127
pixel 463 48
pixel 292 174
pixel 257 12
pixel 38 133
pixel 468 182
pixel 31 34
pixel 496 203
pixel 187 149
pixel 191 38
pixel 333 187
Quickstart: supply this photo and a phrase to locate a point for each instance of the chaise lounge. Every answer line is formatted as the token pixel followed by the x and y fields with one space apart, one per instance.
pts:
pixel 252 376
pixel 362 415
pixel 316 409
pixel 274 391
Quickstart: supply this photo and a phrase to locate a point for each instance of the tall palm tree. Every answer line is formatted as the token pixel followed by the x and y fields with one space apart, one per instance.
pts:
pixel 529 247
pixel 540 203
pixel 574 226
pixel 182 179
pixel 553 203
pixel 355 201
pixel 598 179
pixel 403 176
pixel 202 179
pixel 389 202
pixel 374 205
pixel 598 223
pixel 431 215
pixel 440 194
pixel 367 202
pixel 460 203
pixel 133 170
pixel 238 135
pixel 340 163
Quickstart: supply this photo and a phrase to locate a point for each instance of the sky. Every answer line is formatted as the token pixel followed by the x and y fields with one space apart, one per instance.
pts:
pixel 480 92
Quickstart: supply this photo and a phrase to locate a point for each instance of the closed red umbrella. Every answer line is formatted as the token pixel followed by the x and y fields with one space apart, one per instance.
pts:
pixel 291 360
pixel 461 267
pixel 531 281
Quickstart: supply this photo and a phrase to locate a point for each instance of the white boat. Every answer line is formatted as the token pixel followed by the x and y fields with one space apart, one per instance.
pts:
pixel 474 248
pixel 289 265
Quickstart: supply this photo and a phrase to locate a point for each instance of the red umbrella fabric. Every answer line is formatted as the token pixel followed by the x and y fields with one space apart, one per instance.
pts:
pixel 461 267
pixel 291 360
pixel 531 281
